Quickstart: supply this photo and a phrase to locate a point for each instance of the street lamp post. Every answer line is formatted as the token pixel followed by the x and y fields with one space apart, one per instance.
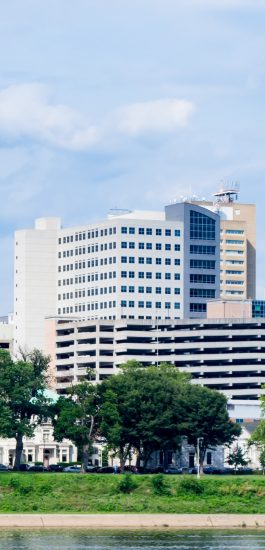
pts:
pixel 199 439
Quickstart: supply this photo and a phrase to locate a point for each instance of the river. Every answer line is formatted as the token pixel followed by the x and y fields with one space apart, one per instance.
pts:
pixel 80 540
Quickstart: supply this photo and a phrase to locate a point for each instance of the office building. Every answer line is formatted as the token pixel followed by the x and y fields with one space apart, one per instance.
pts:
pixel 133 265
pixel 237 244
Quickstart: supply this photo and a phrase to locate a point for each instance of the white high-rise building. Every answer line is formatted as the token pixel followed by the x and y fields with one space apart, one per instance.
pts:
pixel 135 265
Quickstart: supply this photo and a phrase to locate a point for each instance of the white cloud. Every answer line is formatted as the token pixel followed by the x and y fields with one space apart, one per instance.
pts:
pixel 27 111
pixel 164 115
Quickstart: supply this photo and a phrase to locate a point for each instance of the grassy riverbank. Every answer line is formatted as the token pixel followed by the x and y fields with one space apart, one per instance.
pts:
pixel 77 493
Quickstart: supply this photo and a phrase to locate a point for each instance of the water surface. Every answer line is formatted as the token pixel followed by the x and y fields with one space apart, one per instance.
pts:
pixel 80 540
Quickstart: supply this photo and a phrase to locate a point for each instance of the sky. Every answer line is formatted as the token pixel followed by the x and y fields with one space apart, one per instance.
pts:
pixel 127 104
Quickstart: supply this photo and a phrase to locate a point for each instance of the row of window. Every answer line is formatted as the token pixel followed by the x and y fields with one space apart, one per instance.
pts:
pixel 202 278
pixel 149 289
pixel 149 246
pixel 149 231
pixel 87 250
pixel 202 293
pixel 202 264
pixel 202 227
pixel 208 250
pixel 89 264
pixel 148 304
pixel 142 260
pixel 82 293
pixel 148 275
pixel 91 234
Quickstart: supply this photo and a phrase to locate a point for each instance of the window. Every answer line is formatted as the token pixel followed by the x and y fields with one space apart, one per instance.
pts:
pixel 234 232
pixel 131 303
pixel 177 247
pixel 141 289
pixel 131 245
pixel 124 274
pixel 131 230
pixel 202 293
pixel 177 232
pixel 149 275
pixel 197 308
pixel 202 278
pixel 167 261
pixel 177 261
pixel 177 291
pixel 140 304
pixel 167 290
pixel 158 246
pixel 141 246
pixel 123 244
pixel 131 274
pixel 149 290
pixel 148 304
pixel 141 274
pixel 158 261
pixel 202 264
pixel 149 246
pixel 167 305
pixel 234 241
pixel 168 247
pixel 131 288
pixel 149 231
pixel 124 259
pixel 158 231
pixel 158 289
pixel 158 276
pixel 158 305
pixel 168 232
pixel 167 276
pixel 124 229
pixel 202 227
pixel 141 230
pixel 202 249
pixel 141 260
pixel 123 288
pixel 131 259
pixel 123 303
pixel 149 260
pixel 176 305
pixel 177 276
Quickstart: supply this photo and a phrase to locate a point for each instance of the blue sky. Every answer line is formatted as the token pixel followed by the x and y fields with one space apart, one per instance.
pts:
pixel 129 104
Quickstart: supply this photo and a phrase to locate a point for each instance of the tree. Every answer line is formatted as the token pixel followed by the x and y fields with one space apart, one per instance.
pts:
pixel 262 460
pixel 141 410
pixel 206 417
pixel 75 418
pixel 258 439
pixel 23 403
pixel 237 457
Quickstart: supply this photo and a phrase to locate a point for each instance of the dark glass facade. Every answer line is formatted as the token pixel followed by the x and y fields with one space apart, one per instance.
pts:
pixel 202 227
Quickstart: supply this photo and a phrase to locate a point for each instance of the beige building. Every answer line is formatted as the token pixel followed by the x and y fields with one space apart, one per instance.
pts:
pixel 237 244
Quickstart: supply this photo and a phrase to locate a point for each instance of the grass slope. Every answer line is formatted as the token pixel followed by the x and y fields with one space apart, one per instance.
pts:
pixel 55 493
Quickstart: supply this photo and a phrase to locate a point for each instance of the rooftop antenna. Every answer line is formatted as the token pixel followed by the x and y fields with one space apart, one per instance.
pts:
pixel 227 194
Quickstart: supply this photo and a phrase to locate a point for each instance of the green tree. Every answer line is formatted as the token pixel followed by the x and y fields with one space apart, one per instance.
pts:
pixel 76 418
pixel 237 457
pixel 141 410
pixel 206 417
pixel 23 402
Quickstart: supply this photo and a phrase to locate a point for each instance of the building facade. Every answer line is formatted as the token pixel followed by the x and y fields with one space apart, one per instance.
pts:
pixel 137 265
pixel 237 244
pixel 223 354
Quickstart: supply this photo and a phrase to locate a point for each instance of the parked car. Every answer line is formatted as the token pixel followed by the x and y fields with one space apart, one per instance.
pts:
pixel 109 470
pixel 212 470
pixel 72 469
pixel 24 467
pixel 55 468
pixel 37 468
pixel 172 470
pixel 91 469
pixel 3 468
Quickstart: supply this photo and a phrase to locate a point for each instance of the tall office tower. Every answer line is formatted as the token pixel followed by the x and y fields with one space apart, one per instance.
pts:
pixel 237 244
pixel 135 265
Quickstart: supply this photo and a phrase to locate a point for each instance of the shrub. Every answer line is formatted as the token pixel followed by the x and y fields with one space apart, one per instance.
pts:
pixel 159 485
pixel 190 485
pixel 127 484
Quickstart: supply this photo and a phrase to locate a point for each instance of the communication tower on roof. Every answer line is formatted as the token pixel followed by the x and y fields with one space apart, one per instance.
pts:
pixel 227 194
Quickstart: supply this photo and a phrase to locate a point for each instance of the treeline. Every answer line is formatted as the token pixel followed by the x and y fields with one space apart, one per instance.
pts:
pixel 139 410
